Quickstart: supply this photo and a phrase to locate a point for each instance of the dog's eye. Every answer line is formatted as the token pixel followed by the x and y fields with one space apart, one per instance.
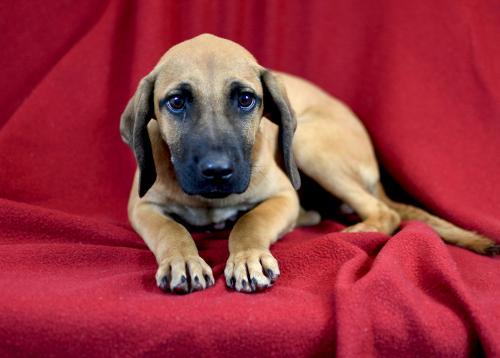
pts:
pixel 246 101
pixel 176 104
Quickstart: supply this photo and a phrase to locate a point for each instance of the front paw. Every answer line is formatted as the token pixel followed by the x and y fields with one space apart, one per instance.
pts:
pixel 183 274
pixel 251 270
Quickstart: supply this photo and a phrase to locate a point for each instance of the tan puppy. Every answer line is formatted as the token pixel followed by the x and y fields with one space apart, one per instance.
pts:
pixel 220 149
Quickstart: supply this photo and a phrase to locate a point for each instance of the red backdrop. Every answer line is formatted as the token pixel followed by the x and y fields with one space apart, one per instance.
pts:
pixel 423 76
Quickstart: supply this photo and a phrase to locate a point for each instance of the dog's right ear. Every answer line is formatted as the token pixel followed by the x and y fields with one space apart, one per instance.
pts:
pixel 134 131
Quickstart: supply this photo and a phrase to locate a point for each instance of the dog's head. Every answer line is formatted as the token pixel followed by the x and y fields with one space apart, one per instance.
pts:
pixel 208 95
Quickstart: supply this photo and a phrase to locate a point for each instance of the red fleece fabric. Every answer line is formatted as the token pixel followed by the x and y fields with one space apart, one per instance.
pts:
pixel 75 279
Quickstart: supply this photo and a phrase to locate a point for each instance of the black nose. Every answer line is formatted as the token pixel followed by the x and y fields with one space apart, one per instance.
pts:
pixel 216 167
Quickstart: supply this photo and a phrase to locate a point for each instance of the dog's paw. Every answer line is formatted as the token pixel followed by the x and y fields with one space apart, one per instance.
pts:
pixel 251 270
pixel 361 227
pixel 184 274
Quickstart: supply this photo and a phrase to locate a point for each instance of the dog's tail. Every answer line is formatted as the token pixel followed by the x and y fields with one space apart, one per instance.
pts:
pixel 448 231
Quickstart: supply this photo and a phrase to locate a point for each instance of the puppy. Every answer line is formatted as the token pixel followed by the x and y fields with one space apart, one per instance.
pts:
pixel 219 139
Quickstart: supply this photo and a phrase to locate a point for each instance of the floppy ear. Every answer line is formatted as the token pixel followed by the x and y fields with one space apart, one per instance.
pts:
pixel 134 131
pixel 278 109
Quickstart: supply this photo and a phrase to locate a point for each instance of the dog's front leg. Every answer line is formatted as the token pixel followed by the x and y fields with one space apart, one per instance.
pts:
pixel 251 266
pixel 180 268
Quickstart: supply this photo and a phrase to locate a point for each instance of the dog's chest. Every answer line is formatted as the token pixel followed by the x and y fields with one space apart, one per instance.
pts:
pixel 209 217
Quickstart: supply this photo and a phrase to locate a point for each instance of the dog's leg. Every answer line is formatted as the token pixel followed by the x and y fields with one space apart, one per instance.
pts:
pixel 375 215
pixel 180 268
pixel 333 148
pixel 308 217
pixel 251 266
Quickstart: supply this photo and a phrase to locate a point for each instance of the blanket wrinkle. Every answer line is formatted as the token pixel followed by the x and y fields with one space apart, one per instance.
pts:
pixel 76 280
pixel 28 24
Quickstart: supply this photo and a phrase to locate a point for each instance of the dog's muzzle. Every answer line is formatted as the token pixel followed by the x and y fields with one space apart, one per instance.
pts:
pixel 216 168
pixel 214 174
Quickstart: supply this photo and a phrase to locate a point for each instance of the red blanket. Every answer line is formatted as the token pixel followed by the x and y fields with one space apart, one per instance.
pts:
pixel 424 76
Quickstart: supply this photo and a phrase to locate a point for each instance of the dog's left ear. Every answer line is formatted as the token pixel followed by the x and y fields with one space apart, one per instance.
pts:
pixel 277 108
pixel 134 131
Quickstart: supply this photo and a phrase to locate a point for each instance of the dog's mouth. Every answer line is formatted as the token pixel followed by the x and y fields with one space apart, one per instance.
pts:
pixel 217 191
pixel 215 194
pixel 195 183
pixel 212 191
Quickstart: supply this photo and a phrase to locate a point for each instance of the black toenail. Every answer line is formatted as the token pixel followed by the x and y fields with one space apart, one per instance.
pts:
pixel 244 283
pixel 254 284
pixel 180 288
pixel 164 283
pixel 270 273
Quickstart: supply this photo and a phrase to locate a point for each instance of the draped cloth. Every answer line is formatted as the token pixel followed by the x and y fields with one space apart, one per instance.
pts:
pixel 424 77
